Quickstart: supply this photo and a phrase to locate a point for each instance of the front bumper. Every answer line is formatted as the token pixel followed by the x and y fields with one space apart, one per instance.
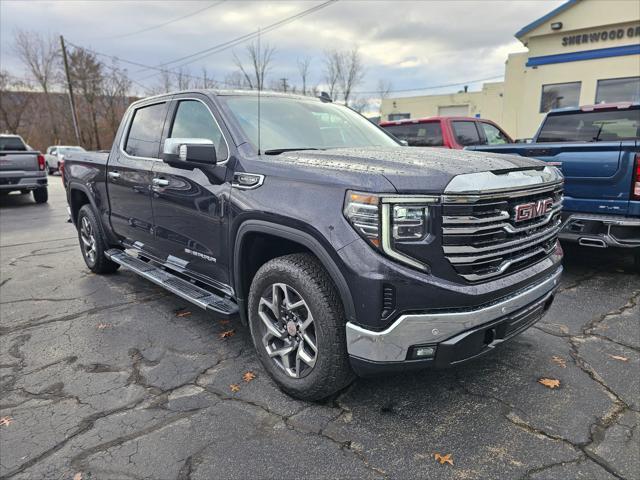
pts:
pixel 22 180
pixel 457 335
pixel 597 230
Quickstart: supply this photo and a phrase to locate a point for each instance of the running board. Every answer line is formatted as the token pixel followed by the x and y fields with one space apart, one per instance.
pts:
pixel 199 296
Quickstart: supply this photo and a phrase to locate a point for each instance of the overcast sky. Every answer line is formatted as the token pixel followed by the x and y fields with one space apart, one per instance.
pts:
pixel 410 43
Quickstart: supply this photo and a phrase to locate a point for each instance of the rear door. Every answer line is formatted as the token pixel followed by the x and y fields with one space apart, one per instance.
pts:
pixel 190 206
pixel 129 175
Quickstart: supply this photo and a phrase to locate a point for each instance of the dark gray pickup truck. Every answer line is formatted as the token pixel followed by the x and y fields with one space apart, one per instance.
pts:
pixel 22 169
pixel 344 251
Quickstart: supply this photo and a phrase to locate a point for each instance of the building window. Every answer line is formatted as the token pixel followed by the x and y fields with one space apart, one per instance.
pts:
pixel 559 95
pixel 618 90
pixel 398 116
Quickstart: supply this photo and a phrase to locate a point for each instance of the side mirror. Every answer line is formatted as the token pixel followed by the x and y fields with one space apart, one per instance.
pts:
pixel 189 152
pixel 404 143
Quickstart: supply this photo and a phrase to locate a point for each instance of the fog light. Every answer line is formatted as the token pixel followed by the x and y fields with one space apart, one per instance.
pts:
pixel 424 352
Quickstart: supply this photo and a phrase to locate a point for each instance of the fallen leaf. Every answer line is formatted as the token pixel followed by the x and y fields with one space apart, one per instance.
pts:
pixel 248 376
pixel 184 313
pixel 6 421
pixel 559 361
pixel 77 476
pixel 224 322
pixel 443 458
pixel 102 326
pixel 619 357
pixel 234 387
pixel 227 333
pixel 549 382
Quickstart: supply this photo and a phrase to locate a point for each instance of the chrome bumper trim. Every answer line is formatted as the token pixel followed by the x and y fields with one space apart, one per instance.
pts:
pixel 602 240
pixel 392 344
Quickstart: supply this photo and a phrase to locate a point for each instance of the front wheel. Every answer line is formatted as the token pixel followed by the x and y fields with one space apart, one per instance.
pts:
pixel 92 242
pixel 41 195
pixel 298 328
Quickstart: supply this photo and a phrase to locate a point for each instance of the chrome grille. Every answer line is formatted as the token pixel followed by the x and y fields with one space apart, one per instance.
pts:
pixel 482 240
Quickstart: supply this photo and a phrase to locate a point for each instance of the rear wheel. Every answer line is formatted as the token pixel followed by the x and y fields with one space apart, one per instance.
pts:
pixel 41 195
pixel 298 327
pixel 92 242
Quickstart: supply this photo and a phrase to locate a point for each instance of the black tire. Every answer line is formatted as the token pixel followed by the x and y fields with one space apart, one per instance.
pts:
pixel 309 280
pixel 41 195
pixel 98 262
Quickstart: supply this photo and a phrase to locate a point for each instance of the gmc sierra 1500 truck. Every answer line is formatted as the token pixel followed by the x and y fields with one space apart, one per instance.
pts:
pixel 597 148
pixel 22 169
pixel 343 251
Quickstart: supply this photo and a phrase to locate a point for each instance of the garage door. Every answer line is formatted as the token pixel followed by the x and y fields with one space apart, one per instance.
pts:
pixel 454 111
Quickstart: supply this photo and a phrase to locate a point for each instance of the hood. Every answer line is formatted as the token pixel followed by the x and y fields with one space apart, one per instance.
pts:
pixel 408 169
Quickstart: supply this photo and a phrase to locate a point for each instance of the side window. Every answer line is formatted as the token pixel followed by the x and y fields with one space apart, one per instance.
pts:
pixel 429 135
pixel 145 131
pixel 466 133
pixel 194 120
pixel 493 134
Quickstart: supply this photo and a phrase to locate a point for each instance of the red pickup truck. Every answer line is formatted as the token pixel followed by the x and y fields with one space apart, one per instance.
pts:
pixel 447 132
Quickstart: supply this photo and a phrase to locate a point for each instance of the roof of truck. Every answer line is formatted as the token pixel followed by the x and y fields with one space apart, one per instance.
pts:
pixel 598 106
pixel 222 92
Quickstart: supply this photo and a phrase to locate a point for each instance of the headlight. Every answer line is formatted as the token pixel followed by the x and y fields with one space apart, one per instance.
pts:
pixel 363 212
pixel 409 222
pixel 383 220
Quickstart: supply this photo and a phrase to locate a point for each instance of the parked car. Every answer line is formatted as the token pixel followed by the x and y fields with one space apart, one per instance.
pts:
pixel 597 148
pixel 447 132
pixel 22 169
pixel 55 154
pixel 344 251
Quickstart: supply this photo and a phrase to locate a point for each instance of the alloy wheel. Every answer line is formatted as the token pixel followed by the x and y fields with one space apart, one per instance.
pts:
pixel 288 330
pixel 88 240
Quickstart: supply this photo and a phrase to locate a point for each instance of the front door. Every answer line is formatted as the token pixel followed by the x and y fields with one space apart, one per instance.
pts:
pixel 190 206
pixel 129 175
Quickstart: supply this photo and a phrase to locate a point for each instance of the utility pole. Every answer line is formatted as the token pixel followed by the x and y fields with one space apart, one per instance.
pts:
pixel 72 101
pixel 285 86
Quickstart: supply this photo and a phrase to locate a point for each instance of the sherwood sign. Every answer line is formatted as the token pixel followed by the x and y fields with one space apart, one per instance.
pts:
pixel 602 36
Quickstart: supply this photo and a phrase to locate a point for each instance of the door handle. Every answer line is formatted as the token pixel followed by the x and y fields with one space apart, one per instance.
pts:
pixel 114 175
pixel 160 182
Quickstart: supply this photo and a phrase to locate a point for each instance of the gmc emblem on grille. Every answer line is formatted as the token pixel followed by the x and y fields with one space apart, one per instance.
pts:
pixel 527 211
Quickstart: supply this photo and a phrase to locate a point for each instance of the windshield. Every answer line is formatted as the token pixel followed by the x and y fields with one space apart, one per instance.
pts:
pixel 597 126
pixel 293 124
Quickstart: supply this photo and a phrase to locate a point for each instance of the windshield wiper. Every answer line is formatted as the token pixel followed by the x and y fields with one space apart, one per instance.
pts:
pixel 278 151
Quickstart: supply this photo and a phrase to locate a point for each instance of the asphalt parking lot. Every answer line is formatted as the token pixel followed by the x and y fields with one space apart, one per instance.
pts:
pixel 111 377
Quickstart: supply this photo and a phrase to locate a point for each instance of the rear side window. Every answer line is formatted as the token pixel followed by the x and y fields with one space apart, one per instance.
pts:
pixel 494 135
pixel 12 143
pixel 598 126
pixel 194 120
pixel 146 131
pixel 466 133
pixel 418 134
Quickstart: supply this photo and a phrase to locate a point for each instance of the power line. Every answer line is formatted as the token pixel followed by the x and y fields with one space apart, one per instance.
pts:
pixel 231 43
pixel 433 87
pixel 154 27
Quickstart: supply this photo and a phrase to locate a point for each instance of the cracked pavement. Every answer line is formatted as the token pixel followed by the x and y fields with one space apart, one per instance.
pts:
pixel 99 376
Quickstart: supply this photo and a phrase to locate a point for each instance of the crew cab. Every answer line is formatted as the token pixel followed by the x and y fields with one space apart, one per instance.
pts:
pixel 597 147
pixel 22 169
pixel 344 251
pixel 447 132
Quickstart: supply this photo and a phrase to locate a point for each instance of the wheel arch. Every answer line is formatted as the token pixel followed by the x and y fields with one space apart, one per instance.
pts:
pixel 80 195
pixel 297 237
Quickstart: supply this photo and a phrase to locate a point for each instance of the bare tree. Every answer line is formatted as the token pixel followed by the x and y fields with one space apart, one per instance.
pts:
pixel 183 79
pixel 208 82
pixel 303 69
pixel 359 104
pixel 15 99
pixel 115 96
pixel 86 73
pixel 235 80
pixel 165 84
pixel 351 72
pixel 333 71
pixel 41 55
pixel 259 58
